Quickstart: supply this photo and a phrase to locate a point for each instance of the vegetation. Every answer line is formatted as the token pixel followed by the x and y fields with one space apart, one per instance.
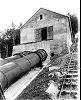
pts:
pixel 8 40
pixel 74 25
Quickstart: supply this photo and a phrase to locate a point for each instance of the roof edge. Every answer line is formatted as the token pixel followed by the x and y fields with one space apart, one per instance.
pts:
pixel 30 18
pixel 43 9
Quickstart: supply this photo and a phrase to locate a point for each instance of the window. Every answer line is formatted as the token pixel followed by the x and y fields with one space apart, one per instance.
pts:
pixel 38 35
pixel 41 17
pixel 50 32
pixel 45 33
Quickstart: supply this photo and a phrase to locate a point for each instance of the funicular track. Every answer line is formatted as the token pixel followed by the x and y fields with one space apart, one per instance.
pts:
pixel 68 87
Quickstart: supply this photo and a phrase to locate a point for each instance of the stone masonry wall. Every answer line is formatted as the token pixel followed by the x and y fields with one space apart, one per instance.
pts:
pixel 52 46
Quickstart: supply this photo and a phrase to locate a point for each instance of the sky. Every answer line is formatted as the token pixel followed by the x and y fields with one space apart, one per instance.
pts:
pixel 18 11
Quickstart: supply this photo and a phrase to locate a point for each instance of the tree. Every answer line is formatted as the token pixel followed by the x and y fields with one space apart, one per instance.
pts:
pixel 74 24
pixel 20 25
pixel 13 38
pixel 17 37
pixel 3 47
pixel 8 40
pixel 13 25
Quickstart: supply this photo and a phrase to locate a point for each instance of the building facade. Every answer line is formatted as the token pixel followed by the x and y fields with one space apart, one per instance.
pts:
pixel 45 30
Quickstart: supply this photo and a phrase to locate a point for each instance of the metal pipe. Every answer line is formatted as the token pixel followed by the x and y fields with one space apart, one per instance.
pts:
pixel 12 71
pixel 14 57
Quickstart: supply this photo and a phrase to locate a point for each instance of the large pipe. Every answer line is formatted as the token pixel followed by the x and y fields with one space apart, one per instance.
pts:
pixel 14 57
pixel 12 71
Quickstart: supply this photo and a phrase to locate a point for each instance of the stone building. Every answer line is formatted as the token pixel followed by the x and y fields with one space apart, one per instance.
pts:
pixel 45 30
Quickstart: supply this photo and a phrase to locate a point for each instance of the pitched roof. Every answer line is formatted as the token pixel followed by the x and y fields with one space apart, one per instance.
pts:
pixel 56 15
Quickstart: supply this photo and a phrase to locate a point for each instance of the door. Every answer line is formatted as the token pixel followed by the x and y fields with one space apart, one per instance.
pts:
pixel 44 33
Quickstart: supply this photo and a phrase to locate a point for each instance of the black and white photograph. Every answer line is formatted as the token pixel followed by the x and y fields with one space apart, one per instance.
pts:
pixel 39 49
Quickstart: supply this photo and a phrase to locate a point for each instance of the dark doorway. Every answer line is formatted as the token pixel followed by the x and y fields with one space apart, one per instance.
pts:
pixel 44 33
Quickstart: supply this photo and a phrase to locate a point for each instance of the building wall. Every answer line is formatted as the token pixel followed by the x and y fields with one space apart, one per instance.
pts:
pixel 51 46
pixel 49 18
pixel 59 27
pixel 33 47
pixel 31 40
pixel 27 35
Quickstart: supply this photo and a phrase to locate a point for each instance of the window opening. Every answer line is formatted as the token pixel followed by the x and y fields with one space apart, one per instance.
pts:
pixel 44 33
pixel 41 17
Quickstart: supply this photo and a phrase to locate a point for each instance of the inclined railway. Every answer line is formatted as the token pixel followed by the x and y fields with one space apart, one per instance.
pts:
pixel 68 87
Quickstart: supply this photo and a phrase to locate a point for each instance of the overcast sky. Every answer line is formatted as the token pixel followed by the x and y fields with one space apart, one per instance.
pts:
pixel 21 10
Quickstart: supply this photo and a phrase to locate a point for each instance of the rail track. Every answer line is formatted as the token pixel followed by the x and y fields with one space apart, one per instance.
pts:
pixel 68 87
